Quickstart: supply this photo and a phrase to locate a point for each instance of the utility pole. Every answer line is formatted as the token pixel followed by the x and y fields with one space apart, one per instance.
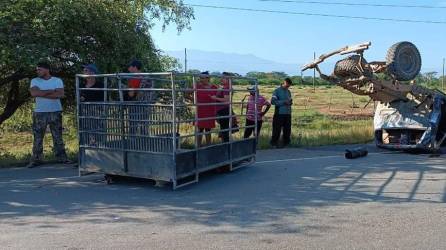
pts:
pixel 314 74
pixel 442 79
pixel 301 78
pixel 185 60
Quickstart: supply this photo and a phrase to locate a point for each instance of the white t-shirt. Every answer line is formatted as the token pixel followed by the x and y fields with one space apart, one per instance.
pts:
pixel 45 104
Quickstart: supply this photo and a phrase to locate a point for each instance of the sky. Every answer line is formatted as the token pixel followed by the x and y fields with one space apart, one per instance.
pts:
pixel 289 38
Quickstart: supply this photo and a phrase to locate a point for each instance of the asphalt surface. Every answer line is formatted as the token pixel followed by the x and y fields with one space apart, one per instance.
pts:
pixel 290 199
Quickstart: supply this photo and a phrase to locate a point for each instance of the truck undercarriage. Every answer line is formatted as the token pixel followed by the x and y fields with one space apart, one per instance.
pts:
pixel 407 116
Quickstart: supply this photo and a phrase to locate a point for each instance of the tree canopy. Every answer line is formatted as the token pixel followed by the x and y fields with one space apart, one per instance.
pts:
pixel 69 33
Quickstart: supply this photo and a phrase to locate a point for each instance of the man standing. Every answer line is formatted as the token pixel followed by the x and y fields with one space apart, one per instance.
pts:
pixel 134 83
pixel 139 82
pixel 140 92
pixel 251 111
pixel 47 90
pixel 223 108
pixel 282 99
pixel 87 95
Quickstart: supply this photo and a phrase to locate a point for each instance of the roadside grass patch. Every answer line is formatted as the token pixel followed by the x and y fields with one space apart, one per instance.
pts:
pixel 322 117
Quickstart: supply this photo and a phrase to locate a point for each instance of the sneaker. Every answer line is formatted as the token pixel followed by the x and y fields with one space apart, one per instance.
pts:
pixel 33 164
pixel 66 161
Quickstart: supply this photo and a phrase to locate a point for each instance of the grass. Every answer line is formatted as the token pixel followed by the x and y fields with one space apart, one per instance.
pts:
pixel 326 116
pixel 318 130
pixel 16 139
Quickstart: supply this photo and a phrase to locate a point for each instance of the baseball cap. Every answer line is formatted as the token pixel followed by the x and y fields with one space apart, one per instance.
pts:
pixel 43 64
pixel 251 88
pixel 136 63
pixel 204 74
pixel 91 67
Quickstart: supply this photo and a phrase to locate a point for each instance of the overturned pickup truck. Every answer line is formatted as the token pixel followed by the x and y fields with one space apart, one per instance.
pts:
pixel 407 116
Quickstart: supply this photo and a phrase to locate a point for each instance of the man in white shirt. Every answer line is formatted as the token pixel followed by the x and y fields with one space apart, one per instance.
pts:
pixel 47 90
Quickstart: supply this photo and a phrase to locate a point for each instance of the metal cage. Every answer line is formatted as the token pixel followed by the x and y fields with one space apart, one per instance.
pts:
pixel 154 135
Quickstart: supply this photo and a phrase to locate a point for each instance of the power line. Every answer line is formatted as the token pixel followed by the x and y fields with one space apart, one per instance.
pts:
pixel 317 14
pixel 357 4
pixel 234 63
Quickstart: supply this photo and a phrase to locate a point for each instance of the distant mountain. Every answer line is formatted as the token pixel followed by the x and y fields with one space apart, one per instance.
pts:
pixel 214 61
pixel 237 63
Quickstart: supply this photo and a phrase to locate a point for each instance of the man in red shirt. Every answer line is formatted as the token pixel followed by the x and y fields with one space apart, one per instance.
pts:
pixel 134 83
pixel 135 113
pixel 222 108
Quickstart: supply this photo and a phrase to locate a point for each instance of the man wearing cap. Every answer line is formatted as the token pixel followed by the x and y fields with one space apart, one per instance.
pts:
pixel 87 95
pixel 251 111
pixel 47 91
pixel 282 100
pixel 144 95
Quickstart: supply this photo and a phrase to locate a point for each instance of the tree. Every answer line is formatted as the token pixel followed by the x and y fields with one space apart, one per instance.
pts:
pixel 70 33
pixel 256 74
pixel 277 75
pixel 194 71
pixel 429 76
pixel 169 63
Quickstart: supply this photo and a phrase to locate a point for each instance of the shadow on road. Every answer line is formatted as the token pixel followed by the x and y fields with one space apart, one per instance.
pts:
pixel 263 193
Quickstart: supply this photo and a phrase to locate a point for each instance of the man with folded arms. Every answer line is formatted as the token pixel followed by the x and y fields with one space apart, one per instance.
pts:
pixel 47 91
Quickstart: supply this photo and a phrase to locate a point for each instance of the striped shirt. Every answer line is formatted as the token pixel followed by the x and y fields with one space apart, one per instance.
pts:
pixel 250 110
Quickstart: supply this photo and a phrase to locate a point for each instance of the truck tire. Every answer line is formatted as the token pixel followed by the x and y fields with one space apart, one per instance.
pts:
pixel 403 61
pixel 348 67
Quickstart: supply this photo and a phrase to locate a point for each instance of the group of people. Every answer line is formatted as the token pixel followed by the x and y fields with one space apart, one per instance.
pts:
pixel 47 91
pixel 213 105
pixel 134 83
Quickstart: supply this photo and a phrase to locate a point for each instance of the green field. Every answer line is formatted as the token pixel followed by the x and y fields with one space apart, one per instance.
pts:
pixel 326 116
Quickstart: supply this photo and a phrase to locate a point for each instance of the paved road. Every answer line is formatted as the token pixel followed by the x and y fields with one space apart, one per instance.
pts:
pixel 290 199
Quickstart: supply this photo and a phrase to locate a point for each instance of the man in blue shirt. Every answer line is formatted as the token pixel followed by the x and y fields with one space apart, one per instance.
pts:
pixel 47 90
pixel 282 100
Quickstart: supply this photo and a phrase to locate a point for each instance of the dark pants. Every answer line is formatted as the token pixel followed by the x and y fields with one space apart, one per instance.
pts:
pixel 224 123
pixel 248 131
pixel 40 122
pixel 281 123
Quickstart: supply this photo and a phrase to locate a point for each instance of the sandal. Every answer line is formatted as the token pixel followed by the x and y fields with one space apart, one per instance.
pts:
pixel 66 161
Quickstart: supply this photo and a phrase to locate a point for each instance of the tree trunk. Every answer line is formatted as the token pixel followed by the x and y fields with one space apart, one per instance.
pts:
pixel 14 101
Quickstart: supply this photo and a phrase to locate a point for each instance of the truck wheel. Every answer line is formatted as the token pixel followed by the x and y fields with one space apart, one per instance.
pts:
pixel 403 61
pixel 349 67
